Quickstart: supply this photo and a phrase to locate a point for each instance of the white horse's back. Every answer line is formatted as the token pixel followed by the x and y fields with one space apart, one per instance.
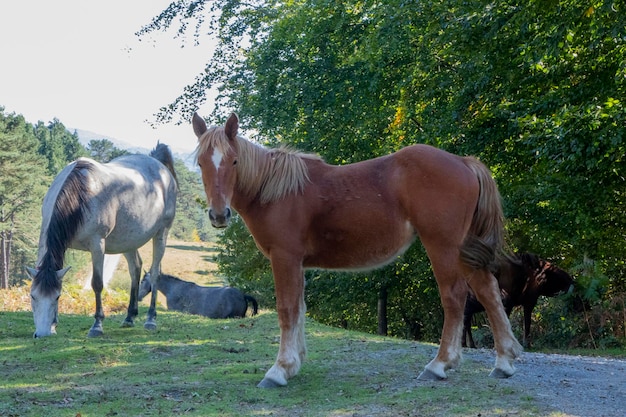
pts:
pixel 117 214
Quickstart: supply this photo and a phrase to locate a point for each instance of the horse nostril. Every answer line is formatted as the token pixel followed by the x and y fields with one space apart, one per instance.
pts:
pixel 226 216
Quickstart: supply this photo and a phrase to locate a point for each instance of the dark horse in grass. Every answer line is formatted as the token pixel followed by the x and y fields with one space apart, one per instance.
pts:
pixel 522 278
pixel 115 207
pixel 188 297
pixel 304 213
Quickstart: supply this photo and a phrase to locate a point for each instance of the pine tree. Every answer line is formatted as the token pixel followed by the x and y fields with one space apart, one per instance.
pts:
pixel 22 182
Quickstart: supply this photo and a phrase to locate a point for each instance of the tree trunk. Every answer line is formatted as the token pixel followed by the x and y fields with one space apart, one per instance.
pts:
pixel 5 246
pixel 6 241
pixel 382 311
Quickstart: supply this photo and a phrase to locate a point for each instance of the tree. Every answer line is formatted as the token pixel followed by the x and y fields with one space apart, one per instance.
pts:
pixel 103 150
pixel 22 184
pixel 535 90
pixel 58 146
pixel 191 221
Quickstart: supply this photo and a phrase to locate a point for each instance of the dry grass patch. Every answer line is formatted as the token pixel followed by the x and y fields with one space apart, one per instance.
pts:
pixel 192 261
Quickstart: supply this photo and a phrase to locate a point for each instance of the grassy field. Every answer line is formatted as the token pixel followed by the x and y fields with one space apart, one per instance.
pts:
pixel 194 366
pixel 200 367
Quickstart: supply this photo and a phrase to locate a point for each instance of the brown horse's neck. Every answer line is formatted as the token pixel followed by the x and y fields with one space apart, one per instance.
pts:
pixel 271 174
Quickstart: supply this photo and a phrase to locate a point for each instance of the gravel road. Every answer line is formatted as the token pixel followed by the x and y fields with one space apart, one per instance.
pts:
pixel 573 385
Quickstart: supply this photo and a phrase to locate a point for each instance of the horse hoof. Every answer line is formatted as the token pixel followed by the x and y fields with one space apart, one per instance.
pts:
pixel 127 323
pixel 269 383
pixel 428 375
pixel 150 326
pixel 95 333
pixel 500 374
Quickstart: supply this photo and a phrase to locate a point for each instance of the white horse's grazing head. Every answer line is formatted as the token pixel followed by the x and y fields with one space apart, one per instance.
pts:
pixel 44 298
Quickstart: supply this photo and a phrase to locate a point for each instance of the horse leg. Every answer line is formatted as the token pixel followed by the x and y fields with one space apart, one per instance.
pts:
pixel 528 311
pixel 158 250
pixel 485 286
pixel 453 292
pixel 134 268
pixel 97 260
pixel 467 329
pixel 289 283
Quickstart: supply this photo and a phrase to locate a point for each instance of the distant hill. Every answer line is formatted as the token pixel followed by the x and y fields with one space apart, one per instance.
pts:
pixel 85 136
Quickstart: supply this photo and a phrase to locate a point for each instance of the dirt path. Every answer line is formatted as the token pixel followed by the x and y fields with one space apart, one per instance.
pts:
pixel 573 385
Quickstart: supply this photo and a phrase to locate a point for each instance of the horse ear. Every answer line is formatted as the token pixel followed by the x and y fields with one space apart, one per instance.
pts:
pixel 232 126
pixel 62 272
pixel 199 125
pixel 31 272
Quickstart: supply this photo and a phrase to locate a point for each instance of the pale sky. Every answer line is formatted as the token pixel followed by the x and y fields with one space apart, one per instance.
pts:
pixel 80 61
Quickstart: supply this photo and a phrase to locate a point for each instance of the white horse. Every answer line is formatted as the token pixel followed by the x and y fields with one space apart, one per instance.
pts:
pixel 103 208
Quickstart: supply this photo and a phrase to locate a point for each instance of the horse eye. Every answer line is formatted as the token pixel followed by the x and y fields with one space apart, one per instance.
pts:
pixel 235 162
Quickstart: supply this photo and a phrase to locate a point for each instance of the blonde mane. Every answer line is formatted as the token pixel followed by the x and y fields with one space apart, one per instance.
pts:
pixel 270 174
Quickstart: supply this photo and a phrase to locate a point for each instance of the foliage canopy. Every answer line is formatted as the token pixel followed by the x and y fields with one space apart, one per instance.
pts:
pixel 535 89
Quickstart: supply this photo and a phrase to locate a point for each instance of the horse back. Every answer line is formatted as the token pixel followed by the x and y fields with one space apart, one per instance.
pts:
pixel 223 302
pixel 212 302
pixel 363 215
pixel 132 197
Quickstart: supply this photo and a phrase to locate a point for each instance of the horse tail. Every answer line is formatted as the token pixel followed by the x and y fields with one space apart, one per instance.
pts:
pixel 163 154
pixel 255 305
pixel 484 242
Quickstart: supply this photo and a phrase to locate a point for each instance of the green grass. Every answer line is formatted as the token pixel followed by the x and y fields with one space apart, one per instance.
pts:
pixel 199 367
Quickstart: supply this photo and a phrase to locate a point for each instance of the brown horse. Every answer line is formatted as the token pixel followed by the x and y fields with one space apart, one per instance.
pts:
pixel 522 278
pixel 305 213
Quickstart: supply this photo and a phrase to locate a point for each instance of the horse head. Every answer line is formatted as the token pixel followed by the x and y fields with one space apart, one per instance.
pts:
pixel 554 281
pixel 44 297
pixel 217 155
pixel 145 287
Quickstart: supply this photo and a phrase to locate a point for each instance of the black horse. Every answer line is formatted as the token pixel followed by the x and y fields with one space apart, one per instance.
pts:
pixel 188 297
pixel 522 278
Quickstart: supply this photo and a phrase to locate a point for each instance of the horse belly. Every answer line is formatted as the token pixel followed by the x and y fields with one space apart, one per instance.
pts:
pixel 362 248
pixel 125 239
pixel 135 226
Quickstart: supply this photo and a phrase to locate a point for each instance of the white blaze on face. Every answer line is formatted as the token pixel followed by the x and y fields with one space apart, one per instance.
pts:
pixel 217 159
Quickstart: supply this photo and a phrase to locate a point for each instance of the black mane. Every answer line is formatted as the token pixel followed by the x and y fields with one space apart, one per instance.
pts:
pixel 163 154
pixel 67 217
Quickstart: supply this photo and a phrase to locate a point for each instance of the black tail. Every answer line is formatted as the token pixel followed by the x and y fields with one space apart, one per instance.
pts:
pixel 255 305
pixel 163 154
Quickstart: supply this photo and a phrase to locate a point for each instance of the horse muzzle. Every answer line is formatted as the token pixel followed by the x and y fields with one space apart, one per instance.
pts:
pixel 220 220
pixel 53 330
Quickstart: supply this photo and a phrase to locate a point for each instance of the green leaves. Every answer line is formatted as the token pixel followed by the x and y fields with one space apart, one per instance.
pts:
pixel 23 179
pixel 536 90
pixel 103 150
